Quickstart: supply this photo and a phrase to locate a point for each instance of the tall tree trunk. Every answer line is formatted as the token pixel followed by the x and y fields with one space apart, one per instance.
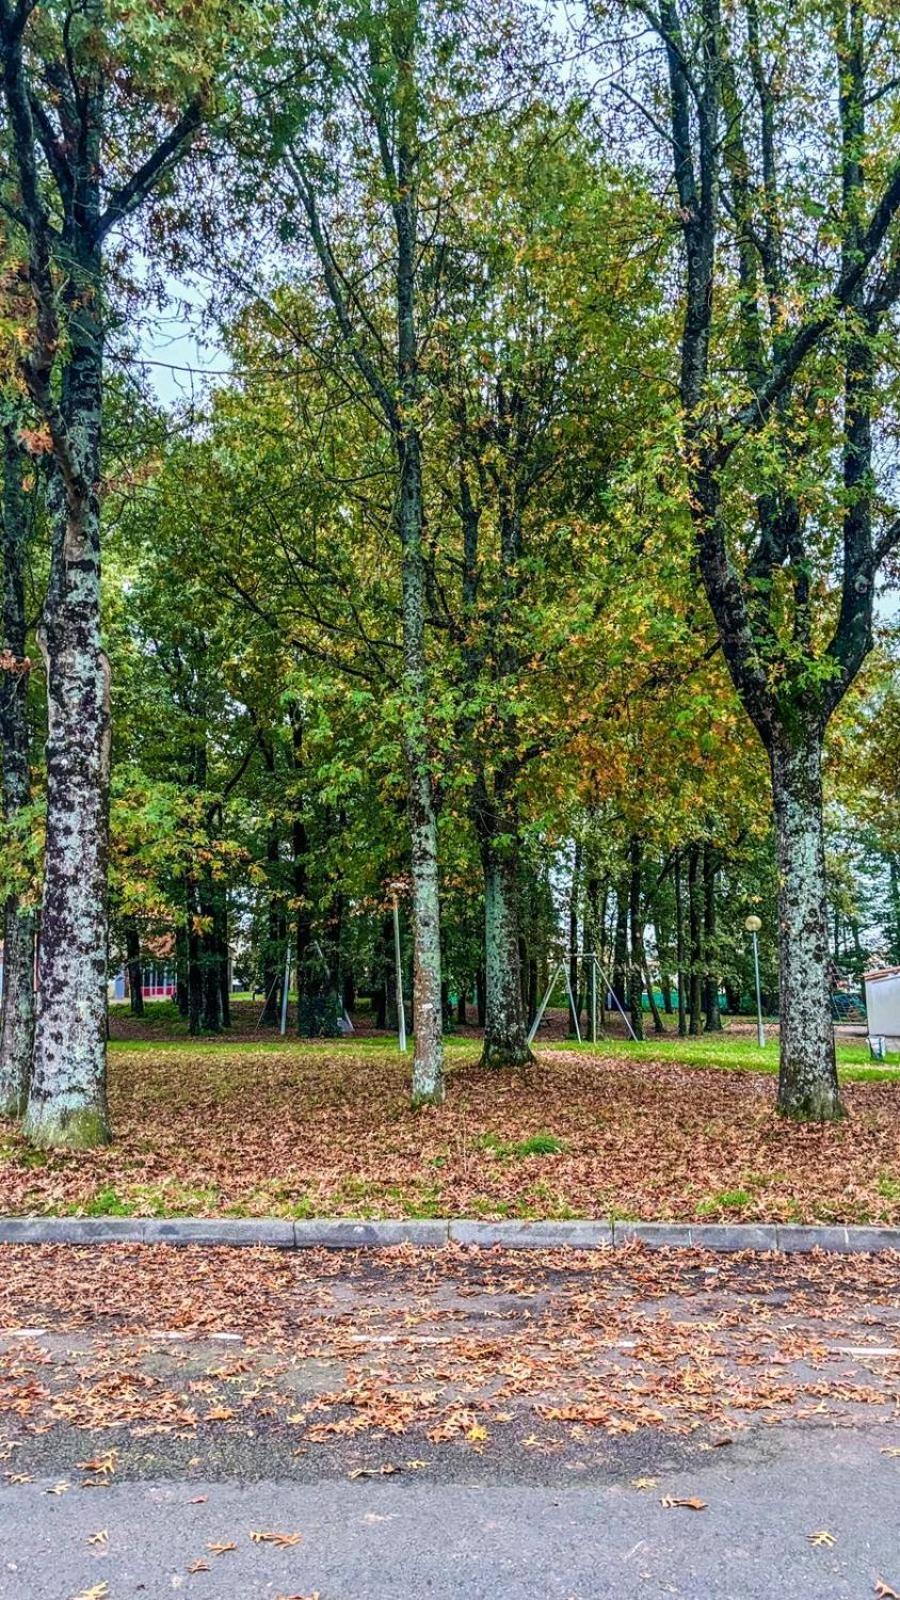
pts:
pixel 807 1080
pixel 480 997
pixel 182 986
pixel 895 906
pixel 620 947
pixel 695 926
pixel 461 1013
pixel 658 1024
pixel 636 920
pixel 133 962
pixel 573 938
pixel 17 1018
pixel 67 1099
pixel 505 1043
pixel 711 976
pixel 224 955
pixel 276 936
pixel 679 947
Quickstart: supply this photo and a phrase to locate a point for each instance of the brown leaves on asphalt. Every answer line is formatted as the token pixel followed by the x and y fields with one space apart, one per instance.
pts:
pixel 350 1351
pixel 670 1501
pixel 281 1540
pixel 884 1591
pixel 314 1131
pixel 823 1539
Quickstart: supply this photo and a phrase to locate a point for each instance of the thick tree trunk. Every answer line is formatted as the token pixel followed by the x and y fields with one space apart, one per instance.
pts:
pixel 505 1043
pixel 133 962
pixel 17 1019
pixel 67 1100
pixel 807 1081
pixel 428 1060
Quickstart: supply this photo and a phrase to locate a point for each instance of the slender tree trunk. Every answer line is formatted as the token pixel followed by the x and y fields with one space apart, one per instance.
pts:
pixel 711 978
pixel 182 986
pixel 461 1012
pixel 658 1024
pixel 133 962
pixel 67 1099
pixel 895 906
pixel 807 1081
pixel 17 1018
pixel 573 938
pixel 224 955
pixel 679 948
pixel 276 937
pixel 636 919
pixel 505 1030
pixel 620 947
pixel 695 924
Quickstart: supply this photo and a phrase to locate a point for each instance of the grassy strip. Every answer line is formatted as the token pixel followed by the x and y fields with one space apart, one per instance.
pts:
pixel 736 1054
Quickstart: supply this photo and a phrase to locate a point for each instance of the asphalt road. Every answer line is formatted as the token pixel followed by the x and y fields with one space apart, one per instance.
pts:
pixel 447 1424
pixel 400 1539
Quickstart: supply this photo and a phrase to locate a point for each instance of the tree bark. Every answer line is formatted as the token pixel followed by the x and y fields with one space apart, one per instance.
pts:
pixel 133 962
pixel 67 1099
pixel 695 926
pixel 505 1042
pixel 573 940
pixel 807 1080
pixel 679 948
pixel 636 915
pixel 711 977
pixel 17 1018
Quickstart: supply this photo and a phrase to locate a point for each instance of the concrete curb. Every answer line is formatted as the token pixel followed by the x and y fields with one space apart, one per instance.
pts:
pixel 350 1234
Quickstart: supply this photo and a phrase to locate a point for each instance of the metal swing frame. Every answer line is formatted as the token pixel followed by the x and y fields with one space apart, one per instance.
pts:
pixel 562 970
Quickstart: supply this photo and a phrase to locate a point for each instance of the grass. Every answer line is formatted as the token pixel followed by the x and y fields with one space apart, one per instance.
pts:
pixel 738 1053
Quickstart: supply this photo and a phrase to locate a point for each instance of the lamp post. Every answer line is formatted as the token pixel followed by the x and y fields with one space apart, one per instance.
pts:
pixel 753 925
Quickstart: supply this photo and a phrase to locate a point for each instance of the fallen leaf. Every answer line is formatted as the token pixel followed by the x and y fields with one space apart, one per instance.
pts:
pixel 98 1592
pixel 884 1591
pixel 692 1504
pixel 219 1414
pixel 644 1483
pixel 220 1549
pixel 198 1500
pixel 104 1464
pixel 282 1540
pixel 890 1450
pixel 822 1538
pixel 98 1538
pixel 59 1488
pixel 199 1566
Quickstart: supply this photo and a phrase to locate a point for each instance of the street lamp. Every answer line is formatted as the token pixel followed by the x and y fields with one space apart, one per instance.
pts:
pixel 753 925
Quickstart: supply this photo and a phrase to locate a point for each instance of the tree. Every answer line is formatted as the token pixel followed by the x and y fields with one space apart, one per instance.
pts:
pixel 17 1021
pixel 791 272
pixel 100 108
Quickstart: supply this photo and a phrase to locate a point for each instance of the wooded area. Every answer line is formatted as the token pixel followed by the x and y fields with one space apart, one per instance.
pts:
pixel 520 576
